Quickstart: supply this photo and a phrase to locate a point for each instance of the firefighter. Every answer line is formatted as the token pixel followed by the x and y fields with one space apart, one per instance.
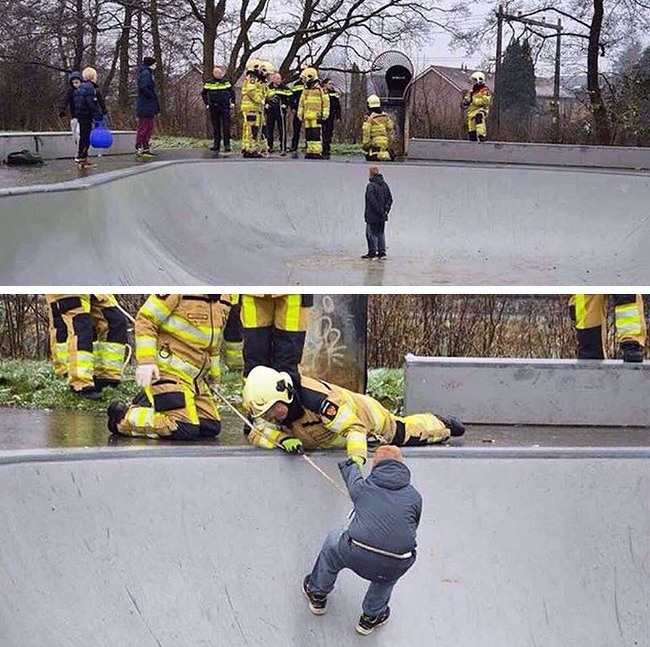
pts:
pixel 477 105
pixel 334 116
pixel 313 109
pixel 89 341
pixel 377 132
pixel 219 98
pixel 588 313
pixel 274 330
pixel 253 94
pixel 318 414
pixel 296 92
pixel 178 348
pixel 278 96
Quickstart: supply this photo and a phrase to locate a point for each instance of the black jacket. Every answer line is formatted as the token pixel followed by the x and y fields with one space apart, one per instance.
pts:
pixel 387 510
pixel 379 200
pixel 218 93
pixel 88 101
pixel 146 103
pixel 67 102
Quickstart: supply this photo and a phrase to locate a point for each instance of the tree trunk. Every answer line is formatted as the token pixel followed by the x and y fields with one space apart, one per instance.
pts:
pixel 601 118
pixel 79 35
pixel 123 78
pixel 157 54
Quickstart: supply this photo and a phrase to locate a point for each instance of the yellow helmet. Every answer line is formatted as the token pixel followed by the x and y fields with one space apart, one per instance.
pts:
pixel 253 65
pixel 264 387
pixel 373 101
pixel 309 74
pixel 478 77
pixel 266 68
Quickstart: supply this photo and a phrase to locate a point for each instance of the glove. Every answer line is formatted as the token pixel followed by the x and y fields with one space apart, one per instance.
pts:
pixel 292 446
pixel 359 460
pixel 145 374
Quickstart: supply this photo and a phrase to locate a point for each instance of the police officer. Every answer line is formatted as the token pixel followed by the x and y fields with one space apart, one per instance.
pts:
pixel 334 116
pixel 219 98
pixel 278 97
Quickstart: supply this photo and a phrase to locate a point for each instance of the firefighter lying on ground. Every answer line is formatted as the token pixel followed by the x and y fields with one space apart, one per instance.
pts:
pixel 321 415
pixel 178 347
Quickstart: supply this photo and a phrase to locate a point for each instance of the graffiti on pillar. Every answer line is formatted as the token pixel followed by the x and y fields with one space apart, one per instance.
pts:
pixel 335 344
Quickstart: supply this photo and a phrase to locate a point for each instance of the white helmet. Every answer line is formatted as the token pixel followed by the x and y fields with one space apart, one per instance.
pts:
pixel 478 77
pixel 264 387
pixel 373 101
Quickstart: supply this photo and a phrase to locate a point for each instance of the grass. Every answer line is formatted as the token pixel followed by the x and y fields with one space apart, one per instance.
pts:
pixel 178 142
pixel 33 385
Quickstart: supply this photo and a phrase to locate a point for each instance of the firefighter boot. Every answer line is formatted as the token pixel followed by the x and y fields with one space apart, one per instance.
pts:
pixel 632 351
pixel 116 412
pixel 455 426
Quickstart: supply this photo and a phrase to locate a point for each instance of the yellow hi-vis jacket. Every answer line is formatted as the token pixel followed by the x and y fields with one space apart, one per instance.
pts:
pixel 314 104
pixel 479 101
pixel 377 131
pixel 184 335
pixel 253 95
pixel 331 417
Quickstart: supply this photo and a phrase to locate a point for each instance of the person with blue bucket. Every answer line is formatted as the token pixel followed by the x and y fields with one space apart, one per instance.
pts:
pixel 89 108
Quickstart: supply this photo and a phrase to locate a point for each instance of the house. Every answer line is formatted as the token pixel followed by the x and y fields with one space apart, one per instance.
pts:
pixel 435 96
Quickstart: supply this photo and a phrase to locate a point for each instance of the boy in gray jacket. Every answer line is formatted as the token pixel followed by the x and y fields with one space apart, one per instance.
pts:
pixel 379 544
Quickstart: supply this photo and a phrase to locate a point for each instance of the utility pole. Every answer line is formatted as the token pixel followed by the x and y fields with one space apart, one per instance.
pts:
pixel 497 71
pixel 555 104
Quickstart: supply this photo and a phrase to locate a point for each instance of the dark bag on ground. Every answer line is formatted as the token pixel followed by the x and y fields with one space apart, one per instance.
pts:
pixel 24 158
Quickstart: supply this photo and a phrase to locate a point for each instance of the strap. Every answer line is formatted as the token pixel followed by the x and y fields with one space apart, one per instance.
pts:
pixel 379 551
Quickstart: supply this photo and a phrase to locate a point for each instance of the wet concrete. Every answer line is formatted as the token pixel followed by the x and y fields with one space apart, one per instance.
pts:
pixel 30 429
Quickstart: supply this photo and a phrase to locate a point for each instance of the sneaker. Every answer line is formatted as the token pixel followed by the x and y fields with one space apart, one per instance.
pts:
pixel 227 149
pixel 214 148
pixel 115 412
pixel 370 255
pixel 147 153
pixel 317 603
pixel 632 352
pixel 455 426
pixel 382 255
pixel 367 624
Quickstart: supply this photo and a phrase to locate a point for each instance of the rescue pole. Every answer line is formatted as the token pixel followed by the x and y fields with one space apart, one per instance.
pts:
pixel 247 422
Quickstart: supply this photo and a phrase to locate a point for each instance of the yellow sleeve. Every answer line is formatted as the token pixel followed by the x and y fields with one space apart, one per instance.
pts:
pixel 326 105
pixel 266 435
pixel 154 312
pixel 346 423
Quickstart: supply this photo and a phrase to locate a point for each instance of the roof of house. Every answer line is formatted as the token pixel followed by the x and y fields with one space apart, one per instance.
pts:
pixel 458 77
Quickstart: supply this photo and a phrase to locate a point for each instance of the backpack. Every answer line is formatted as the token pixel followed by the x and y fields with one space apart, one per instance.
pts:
pixel 24 158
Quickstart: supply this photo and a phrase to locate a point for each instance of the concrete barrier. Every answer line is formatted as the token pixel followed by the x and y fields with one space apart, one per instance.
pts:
pixel 524 153
pixel 530 391
pixel 167 546
pixel 58 145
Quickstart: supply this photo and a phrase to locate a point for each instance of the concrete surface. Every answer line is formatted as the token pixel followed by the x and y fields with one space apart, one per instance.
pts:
pixel 209 547
pixel 530 391
pixel 286 222
pixel 55 145
pixel 529 153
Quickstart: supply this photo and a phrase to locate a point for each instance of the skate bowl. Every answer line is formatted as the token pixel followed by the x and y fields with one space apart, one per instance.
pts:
pixel 294 222
pixel 208 546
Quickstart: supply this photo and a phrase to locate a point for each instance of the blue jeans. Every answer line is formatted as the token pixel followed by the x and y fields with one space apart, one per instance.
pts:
pixel 375 237
pixel 327 567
